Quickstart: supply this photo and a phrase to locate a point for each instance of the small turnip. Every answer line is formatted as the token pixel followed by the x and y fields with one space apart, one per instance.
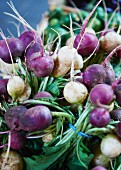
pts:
pixel 99 168
pixel 111 146
pixel 75 92
pixel 36 118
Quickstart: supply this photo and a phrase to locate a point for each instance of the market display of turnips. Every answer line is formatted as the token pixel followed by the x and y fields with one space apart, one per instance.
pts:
pixel 61 95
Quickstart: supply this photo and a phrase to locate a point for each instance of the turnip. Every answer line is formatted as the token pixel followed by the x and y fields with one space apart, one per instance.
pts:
pixel 99 117
pixel 116 114
pixel 86 43
pixel 14 161
pixel 17 140
pixel 99 168
pixel 15 86
pixel 110 75
pixel 110 41
pixel 36 118
pixel 75 92
pixel 27 37
pixel 41 66
pixel 101 94
pixel 13 115
pixel 42 94
pixel 111 146
pixel 93 75
pixel 16 48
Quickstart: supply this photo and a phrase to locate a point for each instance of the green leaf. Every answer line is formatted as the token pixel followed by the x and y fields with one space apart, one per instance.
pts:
pixel 42 162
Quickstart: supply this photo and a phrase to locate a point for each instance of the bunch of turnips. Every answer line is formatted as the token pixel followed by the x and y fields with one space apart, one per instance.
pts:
pixel 60 96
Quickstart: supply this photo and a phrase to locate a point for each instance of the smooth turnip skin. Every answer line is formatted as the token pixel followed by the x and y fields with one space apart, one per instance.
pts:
pixel 15 86
pixel 41 66
pixel 36 118
pixel 16 48
pixel 93 75
pixel 101 94
pixel 27 37
pixel 110 75
pixel 99 117
pixel 116 114
pixel 110 41
pixel 88 44
pixel 118 129
pixel 3 88
pixel 42 94
pixel 13 115
pixel 99 168
pixel 117 92
pixel 111 146
pixel 17 140
pixel 75 92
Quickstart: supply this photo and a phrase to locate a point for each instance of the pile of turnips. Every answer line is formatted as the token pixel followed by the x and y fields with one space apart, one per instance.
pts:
pixel 62 101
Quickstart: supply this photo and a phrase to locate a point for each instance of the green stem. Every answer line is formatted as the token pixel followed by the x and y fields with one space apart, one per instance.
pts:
pixel 45 83
pixel 77 151
pixel 32 101
pixel 85 124
pixel 95 130
pixel 63 114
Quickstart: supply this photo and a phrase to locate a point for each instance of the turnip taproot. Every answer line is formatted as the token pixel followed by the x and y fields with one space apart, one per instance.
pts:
pixel 75 92
pixel 111 146
pixel 36 118
pixel 99 168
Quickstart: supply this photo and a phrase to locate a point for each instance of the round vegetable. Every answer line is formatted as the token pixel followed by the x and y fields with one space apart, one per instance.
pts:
pixel 16 48
pixel 101 94
pixel 17 140
pixel 15 86
pixel 116 114
pixel 99 117
pixel 111 146
pixel 13 115
pixel 41 66
pixel 88 45
pixel 117 92
pixel 94 74
pixel 14 161
pixel 36 118
pixel 118 129
pixel 110 75
pixel 42 94
pixel 110 41
pixel 75 92
pixel 3 88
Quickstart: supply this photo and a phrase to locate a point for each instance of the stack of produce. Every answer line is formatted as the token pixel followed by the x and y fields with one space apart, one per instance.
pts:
pixel 60 98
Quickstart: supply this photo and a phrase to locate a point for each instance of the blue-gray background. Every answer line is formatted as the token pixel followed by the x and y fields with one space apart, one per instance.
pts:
pixel 31 10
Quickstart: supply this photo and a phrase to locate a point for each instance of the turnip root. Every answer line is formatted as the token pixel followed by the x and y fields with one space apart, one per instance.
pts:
pixel 14 161
pixel 75 92
pixel 13 115
pixel 93 75
pixel 3 88
pixel 17 140
pixel 99 168
pixel 64 60
pixel 36 118
pixel 16 48
pixel 111 146
pixel 15 87
pixel 110 41
pixel 42 94
pixel 101 94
